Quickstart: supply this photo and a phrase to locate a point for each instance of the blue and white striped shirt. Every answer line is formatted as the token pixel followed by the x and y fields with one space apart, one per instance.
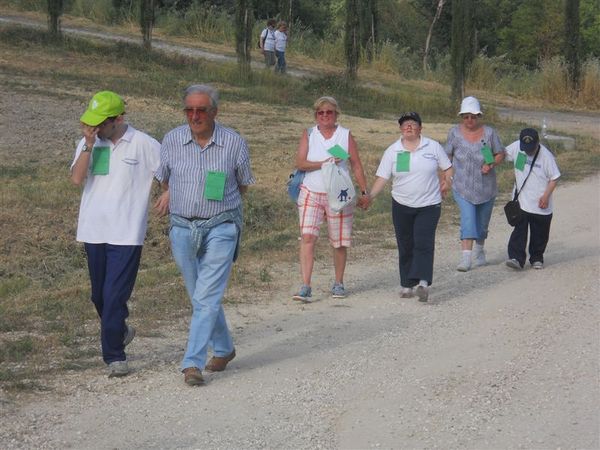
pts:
pixel 185 165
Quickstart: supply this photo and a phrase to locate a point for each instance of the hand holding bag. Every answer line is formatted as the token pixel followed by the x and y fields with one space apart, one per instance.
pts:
pixel 339 187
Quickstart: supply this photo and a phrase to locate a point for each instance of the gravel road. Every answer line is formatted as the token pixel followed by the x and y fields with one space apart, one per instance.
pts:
pixel 496 359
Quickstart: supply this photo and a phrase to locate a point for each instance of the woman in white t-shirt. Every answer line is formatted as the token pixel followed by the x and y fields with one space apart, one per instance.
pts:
pixel 281 38
pixel 421 174
pixel 314 149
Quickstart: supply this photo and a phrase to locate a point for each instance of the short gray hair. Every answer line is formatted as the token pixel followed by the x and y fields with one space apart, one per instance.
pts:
pixel 205 89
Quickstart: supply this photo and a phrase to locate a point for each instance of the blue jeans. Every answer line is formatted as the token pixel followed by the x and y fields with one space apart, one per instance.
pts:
pixel 474 219
pixel 206 275
pixel 113 270
pixel 280 66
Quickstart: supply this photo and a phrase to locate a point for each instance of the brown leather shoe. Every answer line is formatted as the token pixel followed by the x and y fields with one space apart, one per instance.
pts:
pixel 218 363
pixel 193 376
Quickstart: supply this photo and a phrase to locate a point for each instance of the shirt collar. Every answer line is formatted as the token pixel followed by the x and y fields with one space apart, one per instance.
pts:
pixel 216 138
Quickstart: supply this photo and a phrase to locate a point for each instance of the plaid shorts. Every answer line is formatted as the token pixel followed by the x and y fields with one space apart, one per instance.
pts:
pixel 313 207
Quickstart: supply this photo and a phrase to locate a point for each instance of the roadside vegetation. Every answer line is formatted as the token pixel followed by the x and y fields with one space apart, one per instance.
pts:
pixel 47 323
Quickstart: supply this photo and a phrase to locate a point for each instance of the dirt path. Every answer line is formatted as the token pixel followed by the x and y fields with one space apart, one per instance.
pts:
pixel 496 359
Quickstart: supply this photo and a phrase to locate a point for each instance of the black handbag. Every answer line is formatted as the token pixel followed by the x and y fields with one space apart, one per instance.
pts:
pixel 512 209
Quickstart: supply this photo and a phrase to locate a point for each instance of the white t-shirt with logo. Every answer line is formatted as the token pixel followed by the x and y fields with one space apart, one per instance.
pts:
pixel 268 37
pixel 420 186
pixel 544 171
pixel 114 207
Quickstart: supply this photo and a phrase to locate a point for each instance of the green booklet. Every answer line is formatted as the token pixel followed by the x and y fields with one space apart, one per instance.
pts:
pixel 488 157
pixel 100 160
pixel 338 152
pixel 403 162
pixel 214 186
pixel 520 161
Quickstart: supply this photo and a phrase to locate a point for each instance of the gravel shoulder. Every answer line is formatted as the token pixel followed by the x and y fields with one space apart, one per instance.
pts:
pixel 496 359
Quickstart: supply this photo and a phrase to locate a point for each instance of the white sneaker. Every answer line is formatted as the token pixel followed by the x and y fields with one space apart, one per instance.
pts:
pixel 464 265
pixel 537 265
pixel 406 292
pixel 118 369
pixel 513 264
pixel 479 258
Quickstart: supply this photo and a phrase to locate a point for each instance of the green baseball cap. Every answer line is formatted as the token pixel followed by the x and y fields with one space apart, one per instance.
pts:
pixel 103 105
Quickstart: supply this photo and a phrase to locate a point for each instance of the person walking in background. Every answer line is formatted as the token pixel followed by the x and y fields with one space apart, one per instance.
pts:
pixel 117 163
pixel 536 164
pixel 474 149
pixel 281 39
pixel 313 205
pixel 267 43
pixel 415 162
pixel 204 170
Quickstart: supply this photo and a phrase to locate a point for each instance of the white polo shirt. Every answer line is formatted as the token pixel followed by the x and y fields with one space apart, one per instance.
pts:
pixel 114 207
pixel 543 172
pixel 420 186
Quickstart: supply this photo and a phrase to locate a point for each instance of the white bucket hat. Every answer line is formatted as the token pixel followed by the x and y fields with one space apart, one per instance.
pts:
pixel 470 105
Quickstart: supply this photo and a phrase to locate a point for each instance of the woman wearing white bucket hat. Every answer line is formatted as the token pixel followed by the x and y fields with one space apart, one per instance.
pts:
pixel 475 149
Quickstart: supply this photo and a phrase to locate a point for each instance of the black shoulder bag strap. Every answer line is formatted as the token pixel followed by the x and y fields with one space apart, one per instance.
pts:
pixel 518 191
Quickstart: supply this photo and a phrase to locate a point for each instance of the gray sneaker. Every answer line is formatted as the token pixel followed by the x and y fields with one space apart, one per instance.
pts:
pixel 422 292
pixel 537 265
pixel 304 294
pixel 464 265
pixel 513 264
pixel 479 258
pixel 338 291
pixel 118 369
pixel 129 335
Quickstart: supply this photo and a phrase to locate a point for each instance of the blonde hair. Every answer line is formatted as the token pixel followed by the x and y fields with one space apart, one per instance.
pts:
pixel 322 100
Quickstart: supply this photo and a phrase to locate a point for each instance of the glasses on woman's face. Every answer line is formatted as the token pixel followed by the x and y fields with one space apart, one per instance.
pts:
pixel 470 116
pixel 326 112
pixel 409 124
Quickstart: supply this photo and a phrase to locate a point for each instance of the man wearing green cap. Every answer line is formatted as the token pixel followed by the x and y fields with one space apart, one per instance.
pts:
pixel 117 164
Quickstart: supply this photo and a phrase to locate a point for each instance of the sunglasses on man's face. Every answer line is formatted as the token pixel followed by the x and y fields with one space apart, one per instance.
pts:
pixel 327 112
pixel 192 112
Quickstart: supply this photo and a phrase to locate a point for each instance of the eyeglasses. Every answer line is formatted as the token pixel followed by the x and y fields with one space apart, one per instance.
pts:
pixel 192 112
pixel 470 116
pixel 326 112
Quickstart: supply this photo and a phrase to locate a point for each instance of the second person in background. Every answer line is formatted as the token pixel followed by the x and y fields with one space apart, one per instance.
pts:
pixel 313 206
pixel 421 174
pixel 475 149
pixel 281 38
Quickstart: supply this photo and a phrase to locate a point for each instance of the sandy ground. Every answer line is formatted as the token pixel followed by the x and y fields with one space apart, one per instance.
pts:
pixel 496 359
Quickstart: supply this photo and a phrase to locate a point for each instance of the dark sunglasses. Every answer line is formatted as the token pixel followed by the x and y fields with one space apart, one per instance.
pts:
pixel 191 112
pixel 327 112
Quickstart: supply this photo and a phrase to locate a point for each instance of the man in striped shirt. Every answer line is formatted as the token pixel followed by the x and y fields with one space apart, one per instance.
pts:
pixel 204 170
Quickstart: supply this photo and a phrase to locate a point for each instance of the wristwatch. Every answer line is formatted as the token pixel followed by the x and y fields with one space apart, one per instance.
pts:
pixel 85 148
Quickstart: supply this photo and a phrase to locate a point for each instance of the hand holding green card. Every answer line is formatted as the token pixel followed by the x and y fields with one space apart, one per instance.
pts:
pixel 338 152
pixel 520 161
pixel 488 157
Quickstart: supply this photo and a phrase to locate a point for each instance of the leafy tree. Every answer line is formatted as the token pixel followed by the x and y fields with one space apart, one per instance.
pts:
pixel 55 10
pixel 147 19
pixel 461 48
pixel 368 19
pixel 244 21
pixel 590 28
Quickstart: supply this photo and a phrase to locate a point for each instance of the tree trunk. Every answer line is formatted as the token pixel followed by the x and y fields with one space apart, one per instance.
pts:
pixel 437 15
pixel 55 10
pixel 573 43
pixel 147 18
pixel 351 39
pixel 462 44
pixel 243 36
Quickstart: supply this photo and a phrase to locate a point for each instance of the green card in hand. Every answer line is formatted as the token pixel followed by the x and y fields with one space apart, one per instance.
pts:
pixel 520 161
pixel 486 151
pixel 100 160
pixel 338 152
pixel 403 162
pixel 214 187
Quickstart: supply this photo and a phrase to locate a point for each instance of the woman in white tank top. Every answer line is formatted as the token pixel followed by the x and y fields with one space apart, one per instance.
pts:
pixel 313 207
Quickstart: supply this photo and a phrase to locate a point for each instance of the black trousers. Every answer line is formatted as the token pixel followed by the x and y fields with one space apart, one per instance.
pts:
pixel 415 236
pixel 539 225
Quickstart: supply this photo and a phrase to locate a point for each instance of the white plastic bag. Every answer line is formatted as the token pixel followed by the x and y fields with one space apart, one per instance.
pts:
pixel 339 187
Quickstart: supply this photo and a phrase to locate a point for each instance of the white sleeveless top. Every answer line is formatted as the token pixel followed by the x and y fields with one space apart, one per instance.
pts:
pixel 317 151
